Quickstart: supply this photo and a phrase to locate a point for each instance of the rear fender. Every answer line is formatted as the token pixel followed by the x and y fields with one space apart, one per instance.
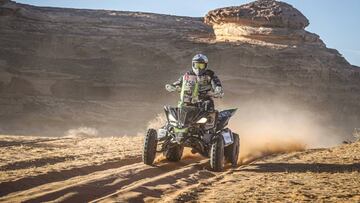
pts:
pixel 224 117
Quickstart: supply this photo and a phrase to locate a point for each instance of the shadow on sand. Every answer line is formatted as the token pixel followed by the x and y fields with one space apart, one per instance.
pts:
pixel 168 173
pixel 303 168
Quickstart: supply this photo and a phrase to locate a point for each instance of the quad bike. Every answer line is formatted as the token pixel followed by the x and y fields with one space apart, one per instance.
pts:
pixel 196 127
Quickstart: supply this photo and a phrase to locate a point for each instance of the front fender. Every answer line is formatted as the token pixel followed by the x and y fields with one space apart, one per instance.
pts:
pixel 226 135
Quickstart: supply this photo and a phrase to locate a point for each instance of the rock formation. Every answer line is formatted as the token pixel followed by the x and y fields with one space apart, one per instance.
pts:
pixel 65 68
pixel 264 20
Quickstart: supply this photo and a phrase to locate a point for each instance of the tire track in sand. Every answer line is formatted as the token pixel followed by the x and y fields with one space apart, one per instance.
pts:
pixel 163 184
pixel 62 175
pixel 127 183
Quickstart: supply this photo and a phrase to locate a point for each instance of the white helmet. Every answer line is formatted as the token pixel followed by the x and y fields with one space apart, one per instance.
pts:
pixel 199 64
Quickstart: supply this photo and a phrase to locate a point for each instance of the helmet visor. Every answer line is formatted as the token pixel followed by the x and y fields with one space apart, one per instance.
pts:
pixel 199 66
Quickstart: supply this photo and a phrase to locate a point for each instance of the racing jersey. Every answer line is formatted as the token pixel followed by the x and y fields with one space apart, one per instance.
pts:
pixel 195 88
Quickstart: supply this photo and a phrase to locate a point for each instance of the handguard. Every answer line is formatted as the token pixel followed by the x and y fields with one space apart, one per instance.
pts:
pixel 172 88
pixel 217 93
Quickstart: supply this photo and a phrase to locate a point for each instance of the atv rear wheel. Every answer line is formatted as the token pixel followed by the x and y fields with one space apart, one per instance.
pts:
pixel 232 151
pixel 174 153
pixel 217 155
pixel 150 144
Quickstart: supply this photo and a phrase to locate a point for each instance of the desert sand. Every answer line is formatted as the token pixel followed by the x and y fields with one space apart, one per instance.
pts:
pixel 80 169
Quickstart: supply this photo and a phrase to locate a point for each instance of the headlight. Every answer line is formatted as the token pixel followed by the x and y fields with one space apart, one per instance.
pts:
pixel 171 118
pixel 202 120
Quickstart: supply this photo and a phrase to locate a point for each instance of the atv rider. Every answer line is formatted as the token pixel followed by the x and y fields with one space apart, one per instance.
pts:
pixel 203 81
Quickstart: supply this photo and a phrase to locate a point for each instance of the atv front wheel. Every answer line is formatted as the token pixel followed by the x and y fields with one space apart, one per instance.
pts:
pixel 150 144
pixel 174 153
pixel 217 155
pixel 232 151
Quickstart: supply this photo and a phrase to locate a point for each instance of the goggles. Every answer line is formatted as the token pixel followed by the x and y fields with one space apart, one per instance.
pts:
pixel 200 66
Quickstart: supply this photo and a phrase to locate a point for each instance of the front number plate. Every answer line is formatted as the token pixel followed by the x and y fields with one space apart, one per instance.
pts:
pixel 161 133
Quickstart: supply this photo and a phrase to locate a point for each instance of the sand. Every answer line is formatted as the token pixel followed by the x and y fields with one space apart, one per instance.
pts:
pixel 72 169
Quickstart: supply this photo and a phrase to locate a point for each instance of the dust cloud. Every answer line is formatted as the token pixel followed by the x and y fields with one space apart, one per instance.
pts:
pixel 82 132
pixel 187 154
pixel 275 127
pixel 158 122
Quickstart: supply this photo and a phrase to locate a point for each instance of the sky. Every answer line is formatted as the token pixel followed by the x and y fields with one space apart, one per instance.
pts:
pixel 337 22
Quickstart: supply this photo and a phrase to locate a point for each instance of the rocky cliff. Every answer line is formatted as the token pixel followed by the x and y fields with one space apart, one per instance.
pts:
pixel 64 68
pixel 262 21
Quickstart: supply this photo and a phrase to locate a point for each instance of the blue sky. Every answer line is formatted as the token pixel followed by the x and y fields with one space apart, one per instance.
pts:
pixel 337 22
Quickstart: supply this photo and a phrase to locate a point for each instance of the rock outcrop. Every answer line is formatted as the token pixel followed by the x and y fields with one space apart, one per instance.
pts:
pixel 65 68
pixel 261 13
pixel 261 21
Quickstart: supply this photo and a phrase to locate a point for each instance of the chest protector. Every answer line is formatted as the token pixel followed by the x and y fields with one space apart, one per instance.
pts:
pixel 189 90
pixel 204 83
